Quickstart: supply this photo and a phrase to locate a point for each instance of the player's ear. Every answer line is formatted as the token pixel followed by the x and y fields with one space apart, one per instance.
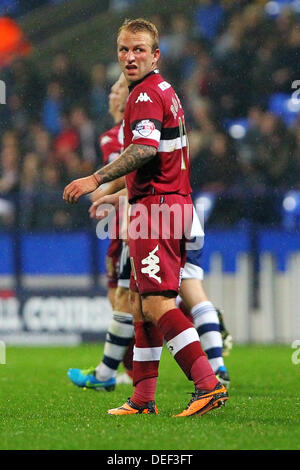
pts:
pixel 156 56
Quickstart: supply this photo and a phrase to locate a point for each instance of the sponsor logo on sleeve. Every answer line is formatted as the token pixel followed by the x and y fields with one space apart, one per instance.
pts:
pixel 164 85
pixel 145 127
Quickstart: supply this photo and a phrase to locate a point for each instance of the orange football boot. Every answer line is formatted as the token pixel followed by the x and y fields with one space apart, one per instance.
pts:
pixel 204 401
pixel 129 408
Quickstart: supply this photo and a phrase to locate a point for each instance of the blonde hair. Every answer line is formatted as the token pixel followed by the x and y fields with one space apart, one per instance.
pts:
pixel 141 25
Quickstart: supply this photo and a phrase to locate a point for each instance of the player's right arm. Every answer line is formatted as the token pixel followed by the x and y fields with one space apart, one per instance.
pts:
pixel 132 158
pixel 110 188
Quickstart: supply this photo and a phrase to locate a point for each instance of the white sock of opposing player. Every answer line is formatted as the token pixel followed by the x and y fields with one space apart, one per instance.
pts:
pixel 118 337
pixel 208 327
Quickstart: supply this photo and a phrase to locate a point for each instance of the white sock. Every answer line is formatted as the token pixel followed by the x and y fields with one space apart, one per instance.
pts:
pixel 118 337
pixel 208 327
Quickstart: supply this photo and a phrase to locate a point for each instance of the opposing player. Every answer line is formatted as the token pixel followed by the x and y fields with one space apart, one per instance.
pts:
pixel 155 162
pixel 111 145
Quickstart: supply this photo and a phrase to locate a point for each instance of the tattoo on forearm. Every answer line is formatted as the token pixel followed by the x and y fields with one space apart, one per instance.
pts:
pixel 134 157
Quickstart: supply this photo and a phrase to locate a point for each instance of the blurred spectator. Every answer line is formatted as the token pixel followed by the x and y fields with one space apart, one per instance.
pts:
pixel 67 140
pixel 27 83
pixel 9 172
pixel 48 201
pixel 53 108
pixel 74 84
pixel 30 183
pixel 9 178
pixel 208 18
pixel 293 177
pixel 87 135
pixel 19 117
pixel 119 5
pixel 99 96
pixel 30 176
pixel 201 119
pixel 74 167
pixel 273 151
pixel 172 43
pixel 286 67
pixel 216 168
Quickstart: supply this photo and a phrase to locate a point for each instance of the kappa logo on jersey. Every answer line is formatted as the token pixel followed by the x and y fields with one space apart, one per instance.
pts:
pixel 143 97
pixel 145 127
pixel 153 265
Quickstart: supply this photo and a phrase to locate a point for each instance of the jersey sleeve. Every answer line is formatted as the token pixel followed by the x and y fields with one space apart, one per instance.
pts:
pixel 111 143
pixel 146 117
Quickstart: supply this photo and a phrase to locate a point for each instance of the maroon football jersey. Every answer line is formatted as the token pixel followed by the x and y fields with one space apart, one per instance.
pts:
pixel 111 144
pixel 154 116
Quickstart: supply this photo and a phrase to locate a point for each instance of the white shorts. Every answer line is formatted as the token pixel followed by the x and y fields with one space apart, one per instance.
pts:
pixel 192 271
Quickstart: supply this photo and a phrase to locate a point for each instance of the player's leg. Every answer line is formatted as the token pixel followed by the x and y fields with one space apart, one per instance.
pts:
pixel 207 324
pixel 156 268
pixel 146 357
pixel 226 336
pixel 120 331
pixel 183 342
pixel 111 292
pixel 118 337
pixel 124 306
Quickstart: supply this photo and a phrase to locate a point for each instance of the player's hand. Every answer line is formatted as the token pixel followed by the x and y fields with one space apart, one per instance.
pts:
pixel 112 199
pixel 79 187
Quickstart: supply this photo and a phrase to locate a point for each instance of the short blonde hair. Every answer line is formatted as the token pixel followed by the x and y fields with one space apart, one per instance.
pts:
pixel 141 25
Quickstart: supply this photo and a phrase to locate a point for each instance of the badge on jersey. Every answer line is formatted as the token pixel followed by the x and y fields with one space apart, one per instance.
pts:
pixel 145 127
pixel 143 97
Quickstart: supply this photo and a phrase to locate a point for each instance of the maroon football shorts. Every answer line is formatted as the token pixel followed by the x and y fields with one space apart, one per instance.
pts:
pixel 157 230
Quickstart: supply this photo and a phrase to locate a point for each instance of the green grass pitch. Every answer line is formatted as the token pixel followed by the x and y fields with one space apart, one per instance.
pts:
pixel 41 409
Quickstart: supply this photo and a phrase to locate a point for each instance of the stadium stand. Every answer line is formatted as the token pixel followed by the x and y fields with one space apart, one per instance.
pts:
pixel 231 67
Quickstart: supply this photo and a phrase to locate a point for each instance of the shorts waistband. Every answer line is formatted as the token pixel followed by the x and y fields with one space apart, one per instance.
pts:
pixel 138 198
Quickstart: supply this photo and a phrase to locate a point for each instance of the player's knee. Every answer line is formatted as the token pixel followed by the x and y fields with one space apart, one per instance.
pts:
pixel 122 300
pixel 151 311
pixel 155 306
pixel 111 294
pixel 135 306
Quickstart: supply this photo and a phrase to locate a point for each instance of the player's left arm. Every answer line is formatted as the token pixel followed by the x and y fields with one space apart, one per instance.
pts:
pixel 134 157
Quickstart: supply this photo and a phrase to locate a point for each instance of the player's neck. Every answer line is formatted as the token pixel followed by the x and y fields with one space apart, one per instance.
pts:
pixel 133 84
pixel 118 117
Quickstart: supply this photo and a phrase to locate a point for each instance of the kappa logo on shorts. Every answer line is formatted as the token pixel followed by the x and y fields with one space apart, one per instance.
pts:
pixel 153 265
pixel 144 97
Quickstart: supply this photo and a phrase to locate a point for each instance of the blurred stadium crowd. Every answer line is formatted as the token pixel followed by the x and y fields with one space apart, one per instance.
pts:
pixel 232 64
